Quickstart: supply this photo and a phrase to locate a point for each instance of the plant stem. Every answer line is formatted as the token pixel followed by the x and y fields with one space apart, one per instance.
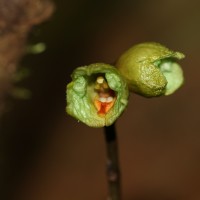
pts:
pixel 113 172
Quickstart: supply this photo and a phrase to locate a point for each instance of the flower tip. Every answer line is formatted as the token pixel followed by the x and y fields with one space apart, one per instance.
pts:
pixel 179 55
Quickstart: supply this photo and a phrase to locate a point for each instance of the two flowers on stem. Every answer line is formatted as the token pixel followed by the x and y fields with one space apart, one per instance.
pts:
pixel 98 93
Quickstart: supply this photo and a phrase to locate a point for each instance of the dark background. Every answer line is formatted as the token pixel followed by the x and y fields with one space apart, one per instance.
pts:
pixel 50 156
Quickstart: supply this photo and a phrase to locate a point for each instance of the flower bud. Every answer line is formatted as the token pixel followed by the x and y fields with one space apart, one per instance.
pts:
pixel 97 95
pixel 151 69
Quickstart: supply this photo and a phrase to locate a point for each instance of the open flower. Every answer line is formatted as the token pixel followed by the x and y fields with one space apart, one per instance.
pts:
pixel 151 69
pixel 97 94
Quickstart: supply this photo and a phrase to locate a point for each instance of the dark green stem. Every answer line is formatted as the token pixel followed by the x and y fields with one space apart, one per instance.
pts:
pixel 113 171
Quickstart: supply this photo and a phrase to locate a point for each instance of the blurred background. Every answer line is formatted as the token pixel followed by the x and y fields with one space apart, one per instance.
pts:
pixel 50 156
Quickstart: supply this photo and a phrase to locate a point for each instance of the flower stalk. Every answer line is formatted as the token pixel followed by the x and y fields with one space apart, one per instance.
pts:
pixel 113 169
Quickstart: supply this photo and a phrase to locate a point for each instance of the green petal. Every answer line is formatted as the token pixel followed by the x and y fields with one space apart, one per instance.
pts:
pixel 142 64
pixel 81 94
pixel 174 75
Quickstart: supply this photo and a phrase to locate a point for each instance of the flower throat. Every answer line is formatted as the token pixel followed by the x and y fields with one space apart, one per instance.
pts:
pixel 105 97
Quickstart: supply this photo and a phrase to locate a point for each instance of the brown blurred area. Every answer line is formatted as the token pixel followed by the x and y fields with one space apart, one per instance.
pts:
pixel 50 156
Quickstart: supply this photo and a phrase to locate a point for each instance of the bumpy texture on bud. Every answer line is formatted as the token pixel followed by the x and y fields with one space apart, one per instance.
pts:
pixel 151 69
pixel 97 95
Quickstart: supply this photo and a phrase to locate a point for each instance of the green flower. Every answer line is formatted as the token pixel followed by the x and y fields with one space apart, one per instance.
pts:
pixel 151 69
pixel 97 94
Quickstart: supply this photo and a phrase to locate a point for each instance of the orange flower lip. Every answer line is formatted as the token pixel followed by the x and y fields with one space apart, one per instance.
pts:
pixel 105 98
pixel 104 107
